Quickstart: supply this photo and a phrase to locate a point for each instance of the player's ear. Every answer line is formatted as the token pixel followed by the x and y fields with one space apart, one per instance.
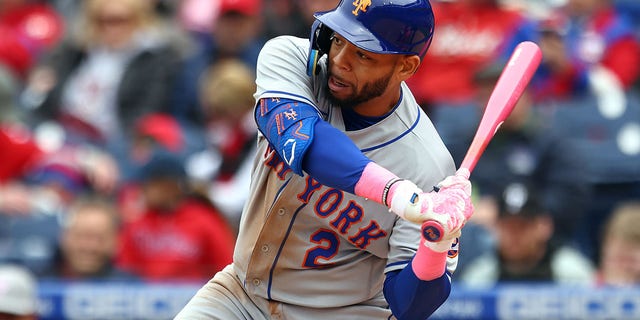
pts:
pixel 408 65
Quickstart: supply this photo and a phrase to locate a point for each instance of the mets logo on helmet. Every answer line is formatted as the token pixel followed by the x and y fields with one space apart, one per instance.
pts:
pixel 361 5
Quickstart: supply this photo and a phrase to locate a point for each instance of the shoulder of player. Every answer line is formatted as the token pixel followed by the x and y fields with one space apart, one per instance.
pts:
pixel 409 111
pixel 283 46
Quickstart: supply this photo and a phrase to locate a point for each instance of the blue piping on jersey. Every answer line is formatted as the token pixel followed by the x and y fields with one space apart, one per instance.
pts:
pixel 415 123
pixel 286 236
pixel 299 97
pixel 274 262
pixel 279 191
pixel 279 250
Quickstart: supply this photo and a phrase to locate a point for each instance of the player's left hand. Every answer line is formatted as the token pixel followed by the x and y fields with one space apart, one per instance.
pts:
pixel 450 206
pixel 459 180
pixel 459 183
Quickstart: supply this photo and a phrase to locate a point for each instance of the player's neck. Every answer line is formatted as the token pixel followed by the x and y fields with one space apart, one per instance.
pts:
pixel 378 106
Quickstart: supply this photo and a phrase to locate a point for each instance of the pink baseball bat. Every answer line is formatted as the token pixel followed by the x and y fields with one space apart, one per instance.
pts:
pixel 513 80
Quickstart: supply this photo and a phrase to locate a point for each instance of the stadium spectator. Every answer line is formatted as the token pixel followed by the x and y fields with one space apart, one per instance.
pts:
pixel 117 66
pixel 471 34
pixel 37 181
pixel 222 171
pixel 18 293
pixel 525 249
pixel 152 133
pixel 236 33
pixel 179 237
pixel 619 264
pixel 587 46
pixel 34 202
pixel 293 17
pixel 88 243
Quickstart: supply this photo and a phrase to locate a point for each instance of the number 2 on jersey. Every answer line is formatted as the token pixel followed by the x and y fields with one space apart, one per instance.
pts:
pixel 327 247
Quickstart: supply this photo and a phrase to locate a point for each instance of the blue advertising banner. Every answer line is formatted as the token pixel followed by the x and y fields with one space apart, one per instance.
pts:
pixel 163 301
pixel 113 301
pixel 541 302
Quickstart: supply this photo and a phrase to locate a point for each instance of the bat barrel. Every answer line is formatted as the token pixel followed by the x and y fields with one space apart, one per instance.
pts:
pixel 514 78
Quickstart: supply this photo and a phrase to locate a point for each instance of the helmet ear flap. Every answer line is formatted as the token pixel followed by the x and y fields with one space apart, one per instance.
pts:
pixel 323 40
pixel 320 44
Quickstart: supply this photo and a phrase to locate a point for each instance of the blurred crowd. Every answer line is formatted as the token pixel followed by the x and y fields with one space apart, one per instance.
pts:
pixel 127 135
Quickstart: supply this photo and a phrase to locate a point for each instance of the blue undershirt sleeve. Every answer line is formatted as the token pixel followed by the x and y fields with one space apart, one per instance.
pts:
pixel 333 159
pixel 412 298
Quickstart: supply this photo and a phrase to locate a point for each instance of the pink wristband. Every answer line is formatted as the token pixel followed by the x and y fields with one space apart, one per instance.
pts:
pixel 373 181
pixel 428 264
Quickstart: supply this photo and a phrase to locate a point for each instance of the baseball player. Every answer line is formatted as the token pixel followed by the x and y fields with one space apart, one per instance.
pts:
pixel 329 232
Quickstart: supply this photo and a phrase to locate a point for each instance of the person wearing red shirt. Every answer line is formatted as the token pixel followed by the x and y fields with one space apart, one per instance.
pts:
pixel 178 238
pixel 18 150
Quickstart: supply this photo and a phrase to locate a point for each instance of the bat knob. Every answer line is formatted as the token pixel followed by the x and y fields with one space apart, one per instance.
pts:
pixel 432 231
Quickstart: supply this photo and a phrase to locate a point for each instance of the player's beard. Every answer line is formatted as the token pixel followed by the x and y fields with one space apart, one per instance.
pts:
pixel 369 91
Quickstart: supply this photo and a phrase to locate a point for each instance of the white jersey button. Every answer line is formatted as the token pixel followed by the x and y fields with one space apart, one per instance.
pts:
pixel 256 282
pixel 265 248
pixel 281 211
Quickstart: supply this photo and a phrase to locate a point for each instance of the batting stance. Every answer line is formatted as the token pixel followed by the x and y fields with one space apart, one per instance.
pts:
pixel 332 227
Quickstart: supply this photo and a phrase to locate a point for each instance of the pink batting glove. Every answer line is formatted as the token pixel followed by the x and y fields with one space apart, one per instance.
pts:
pixel 451 206
pixel 459 180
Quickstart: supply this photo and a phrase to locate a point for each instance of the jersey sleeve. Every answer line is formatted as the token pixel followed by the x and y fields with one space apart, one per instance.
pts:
pixel 281 70
pixel 403 245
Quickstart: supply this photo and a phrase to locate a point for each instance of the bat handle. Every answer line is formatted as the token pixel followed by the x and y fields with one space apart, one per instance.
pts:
pixel 432 231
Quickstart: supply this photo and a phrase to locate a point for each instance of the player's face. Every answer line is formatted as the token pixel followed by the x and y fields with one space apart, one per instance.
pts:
pixel 362 80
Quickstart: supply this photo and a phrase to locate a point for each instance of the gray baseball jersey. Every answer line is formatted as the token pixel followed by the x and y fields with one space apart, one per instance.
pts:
pixel 314 247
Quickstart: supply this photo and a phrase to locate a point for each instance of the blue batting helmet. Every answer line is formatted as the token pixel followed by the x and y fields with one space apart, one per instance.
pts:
pixel 380 26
